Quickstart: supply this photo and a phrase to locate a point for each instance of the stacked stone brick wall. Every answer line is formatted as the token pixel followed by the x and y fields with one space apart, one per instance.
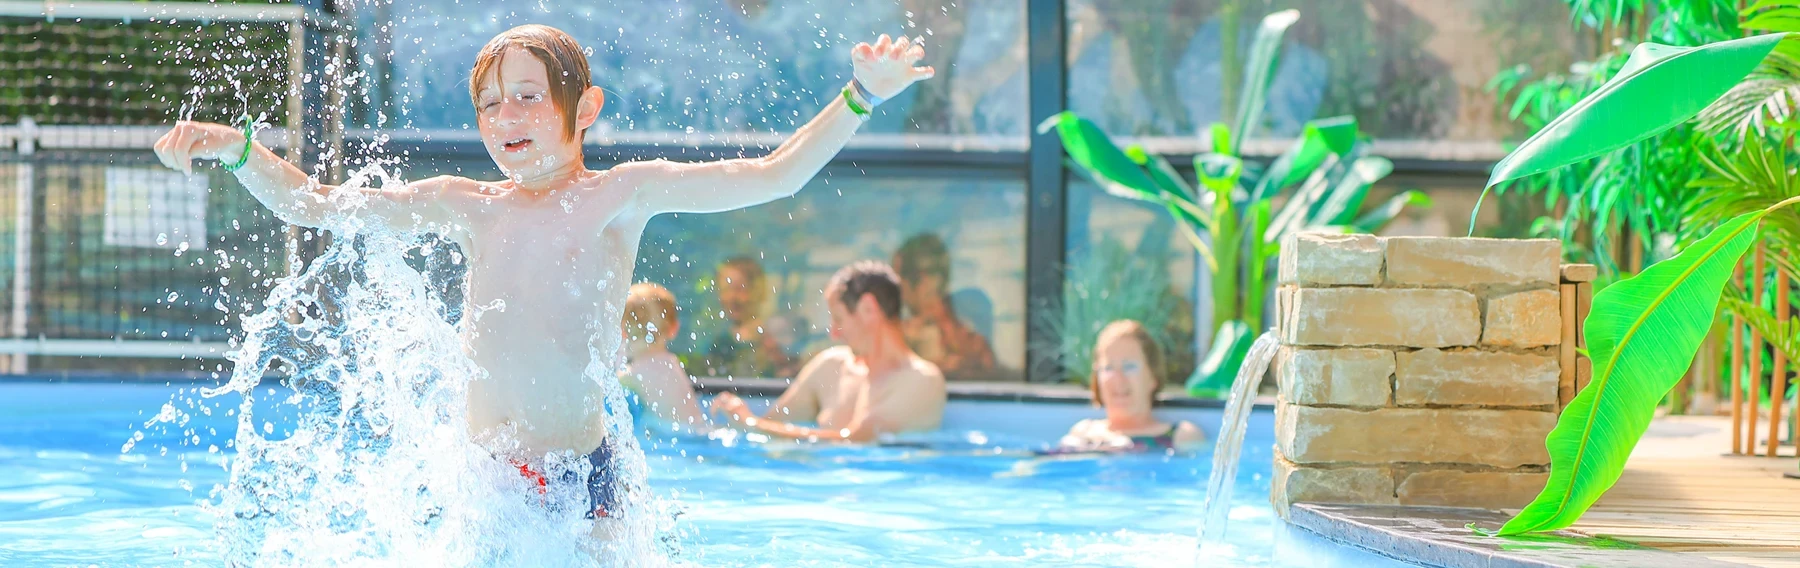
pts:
pixel 1417 371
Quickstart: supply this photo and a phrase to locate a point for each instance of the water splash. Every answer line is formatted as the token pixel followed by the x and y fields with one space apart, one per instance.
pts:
pixel 380 467
pixel 1231 440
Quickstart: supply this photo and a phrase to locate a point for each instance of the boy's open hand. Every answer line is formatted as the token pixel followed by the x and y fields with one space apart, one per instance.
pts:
pixel 204 140
pixel 886 68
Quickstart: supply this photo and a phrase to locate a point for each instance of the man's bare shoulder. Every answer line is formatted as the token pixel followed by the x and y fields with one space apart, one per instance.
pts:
pixel 924 371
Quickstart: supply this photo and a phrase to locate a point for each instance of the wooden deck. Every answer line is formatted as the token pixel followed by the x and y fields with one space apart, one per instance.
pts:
pixel 1679 493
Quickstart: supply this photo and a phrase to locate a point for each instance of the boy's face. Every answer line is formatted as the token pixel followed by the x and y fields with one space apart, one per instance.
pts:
pixel 521 127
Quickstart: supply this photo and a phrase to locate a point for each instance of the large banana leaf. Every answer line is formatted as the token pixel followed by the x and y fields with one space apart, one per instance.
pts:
pixel 1265 53
pixel 1320 139
pixel 1379 217
pixel 1659 87
pixel 1106 164
pixel 1642 334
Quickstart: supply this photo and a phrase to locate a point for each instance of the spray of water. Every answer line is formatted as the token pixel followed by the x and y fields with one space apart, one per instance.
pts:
pixel 1231 439
pixel 380 468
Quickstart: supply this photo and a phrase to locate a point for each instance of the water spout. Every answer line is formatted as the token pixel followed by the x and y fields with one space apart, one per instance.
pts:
pixel 1231 439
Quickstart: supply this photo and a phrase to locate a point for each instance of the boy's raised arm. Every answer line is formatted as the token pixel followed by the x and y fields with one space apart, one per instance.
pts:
pixel 883 70
pixel 294 197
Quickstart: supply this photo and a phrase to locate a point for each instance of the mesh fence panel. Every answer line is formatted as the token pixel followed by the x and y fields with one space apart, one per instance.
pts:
pixel 122 247
pixel 117 72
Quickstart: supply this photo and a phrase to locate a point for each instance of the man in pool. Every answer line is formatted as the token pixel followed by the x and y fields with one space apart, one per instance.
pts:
pixel 552 247
pixel 872 385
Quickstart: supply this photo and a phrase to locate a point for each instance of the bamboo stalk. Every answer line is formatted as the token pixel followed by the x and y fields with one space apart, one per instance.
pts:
pixel 1778 380
pixel 1737 371
pixel 1751 406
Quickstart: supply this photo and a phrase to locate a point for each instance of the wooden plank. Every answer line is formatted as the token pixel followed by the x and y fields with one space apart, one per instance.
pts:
pixel 1690 499
pixel 1565 384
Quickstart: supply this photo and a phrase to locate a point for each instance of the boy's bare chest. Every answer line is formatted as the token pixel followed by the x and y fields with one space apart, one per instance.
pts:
pixel 552 260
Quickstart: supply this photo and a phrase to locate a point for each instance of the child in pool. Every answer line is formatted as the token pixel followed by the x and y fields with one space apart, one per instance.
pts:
pixel 652 373
pixel 1127 373
pixel 553 245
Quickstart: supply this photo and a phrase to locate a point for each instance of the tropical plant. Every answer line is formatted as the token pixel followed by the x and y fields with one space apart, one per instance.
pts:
pixel 1105 285
pixel 1635 189
pixel 1643 331
pixel 1228 215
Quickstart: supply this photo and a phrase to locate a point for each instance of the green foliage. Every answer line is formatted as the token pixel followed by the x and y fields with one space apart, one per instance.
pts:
pixel 1643 331
pixel 1639 186
pixel 1228 214
pixel 1642 334
pixel 1106 285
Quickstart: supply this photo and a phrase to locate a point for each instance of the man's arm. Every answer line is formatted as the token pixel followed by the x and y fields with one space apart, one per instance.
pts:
pixel 885 69
pixel 296 198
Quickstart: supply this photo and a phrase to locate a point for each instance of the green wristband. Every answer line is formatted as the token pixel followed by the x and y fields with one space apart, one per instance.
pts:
pixel 249 141
pixel 850 101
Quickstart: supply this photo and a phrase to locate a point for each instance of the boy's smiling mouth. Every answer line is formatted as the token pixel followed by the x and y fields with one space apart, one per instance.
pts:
pixel 516 144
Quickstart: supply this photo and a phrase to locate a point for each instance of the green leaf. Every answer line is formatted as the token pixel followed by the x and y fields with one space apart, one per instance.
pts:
pixel 1319 140
pixel 1092 151
pixel 1346 197
pixel 1212 379
pixel 1379 217
pixel 1659 87
pixel 1641 334
pixel 1161 172
pixel 1265 53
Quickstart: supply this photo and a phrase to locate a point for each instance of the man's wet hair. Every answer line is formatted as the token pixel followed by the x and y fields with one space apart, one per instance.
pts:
pixel 870 277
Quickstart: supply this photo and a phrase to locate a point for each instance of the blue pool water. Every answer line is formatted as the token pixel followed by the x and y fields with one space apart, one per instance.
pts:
pixel 971 496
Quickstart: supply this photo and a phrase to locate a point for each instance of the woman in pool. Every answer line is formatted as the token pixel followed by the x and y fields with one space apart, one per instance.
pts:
pixel 1127 373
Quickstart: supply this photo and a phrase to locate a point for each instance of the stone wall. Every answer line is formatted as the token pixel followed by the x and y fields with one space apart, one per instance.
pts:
pixel 1417 371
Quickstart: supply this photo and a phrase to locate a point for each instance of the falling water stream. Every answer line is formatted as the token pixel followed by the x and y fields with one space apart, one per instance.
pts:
pixel 1231 440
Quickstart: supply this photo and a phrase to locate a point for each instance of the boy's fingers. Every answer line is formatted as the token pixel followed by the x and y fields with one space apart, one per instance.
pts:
pixel 923 73
pixel 861 52
pixel 884 43
pixel 901 45
pixel 915 54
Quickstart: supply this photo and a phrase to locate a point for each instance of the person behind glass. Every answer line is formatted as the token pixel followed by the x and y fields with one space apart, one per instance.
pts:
pixel 748 347
pixel 1127 374
pixel 656 378
pixel 872 385
pixel 932 327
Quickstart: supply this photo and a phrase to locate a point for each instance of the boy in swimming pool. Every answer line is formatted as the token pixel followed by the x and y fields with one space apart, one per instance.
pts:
pixel 652 373
pixel 553 245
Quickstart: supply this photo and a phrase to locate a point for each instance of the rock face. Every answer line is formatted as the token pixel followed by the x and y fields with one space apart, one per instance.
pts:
pixel 1417 371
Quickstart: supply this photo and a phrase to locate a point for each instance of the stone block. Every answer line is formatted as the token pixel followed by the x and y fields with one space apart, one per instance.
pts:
pixel 1375 316
pixel 1347 377
pixel 1432 376
pixel 1462 262
pixel 1481 489
pixel 1525 319
pixel 1292 483
pixel 1499 438
pixel 1325 259
pixel 1579 273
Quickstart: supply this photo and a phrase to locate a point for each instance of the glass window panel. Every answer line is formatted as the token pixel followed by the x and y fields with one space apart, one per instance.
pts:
pixel 843 216
pixel 732 66
pixel 1413 72
pixel 1128 260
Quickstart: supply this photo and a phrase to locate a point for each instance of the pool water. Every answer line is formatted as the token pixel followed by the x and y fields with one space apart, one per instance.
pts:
pixel 974 495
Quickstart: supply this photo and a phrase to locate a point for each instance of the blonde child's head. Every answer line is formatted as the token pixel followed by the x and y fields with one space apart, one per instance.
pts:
pixel 650 315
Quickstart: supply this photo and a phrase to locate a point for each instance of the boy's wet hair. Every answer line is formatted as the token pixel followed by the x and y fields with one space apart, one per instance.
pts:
pixel 867 277
pixel 648 305
pixel 1153 355
pixel 564 62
